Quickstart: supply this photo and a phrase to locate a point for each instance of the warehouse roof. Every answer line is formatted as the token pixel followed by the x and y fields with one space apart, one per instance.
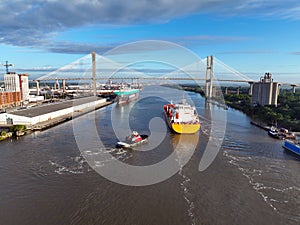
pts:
pixel 52 107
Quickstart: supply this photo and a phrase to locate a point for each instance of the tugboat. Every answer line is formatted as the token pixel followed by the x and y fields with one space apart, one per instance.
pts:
pixel 132 140
pixel 182 118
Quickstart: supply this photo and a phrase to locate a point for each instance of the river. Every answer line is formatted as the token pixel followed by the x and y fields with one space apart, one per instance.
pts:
pixel 46 179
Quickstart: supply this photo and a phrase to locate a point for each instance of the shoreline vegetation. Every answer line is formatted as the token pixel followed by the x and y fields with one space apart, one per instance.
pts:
pixel 13 131
pixel 286 114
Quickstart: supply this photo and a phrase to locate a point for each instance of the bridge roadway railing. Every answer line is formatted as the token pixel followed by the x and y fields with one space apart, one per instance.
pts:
pixel 141 78
pixel 154 78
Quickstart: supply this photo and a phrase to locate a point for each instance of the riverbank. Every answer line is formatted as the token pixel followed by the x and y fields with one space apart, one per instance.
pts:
pixel 56 121
pixel 260 125
pixel 40 126
pixel 286 114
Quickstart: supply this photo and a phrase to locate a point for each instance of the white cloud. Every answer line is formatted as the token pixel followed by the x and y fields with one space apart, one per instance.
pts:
pixel 33 22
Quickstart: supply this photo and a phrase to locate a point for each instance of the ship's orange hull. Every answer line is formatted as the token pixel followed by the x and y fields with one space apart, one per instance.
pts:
pixel 185 128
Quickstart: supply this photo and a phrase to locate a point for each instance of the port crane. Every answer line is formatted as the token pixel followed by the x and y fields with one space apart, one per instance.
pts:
pixel 7 65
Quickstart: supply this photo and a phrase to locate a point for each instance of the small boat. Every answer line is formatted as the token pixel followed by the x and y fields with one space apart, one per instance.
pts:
pixel 133 140
pixel 292 145
pixel 182 118
pixel 276 134
pixel 281 133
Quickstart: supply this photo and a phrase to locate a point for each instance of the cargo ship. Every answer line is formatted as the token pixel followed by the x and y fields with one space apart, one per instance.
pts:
pixel 182 118
pixel 126 95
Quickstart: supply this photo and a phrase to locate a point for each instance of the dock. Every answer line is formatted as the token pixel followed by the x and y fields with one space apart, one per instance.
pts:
pixel 260 125
pixel 56 121
pixel 49 115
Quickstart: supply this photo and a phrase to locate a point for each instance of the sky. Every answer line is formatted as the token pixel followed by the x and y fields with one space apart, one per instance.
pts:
pixel 251 36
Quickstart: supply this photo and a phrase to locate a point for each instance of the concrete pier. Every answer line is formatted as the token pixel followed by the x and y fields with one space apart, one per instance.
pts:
pixel 64 85
pixel 53 113
pixel 37 87
pixel 226 90
pixel 251 88
pixel 61 119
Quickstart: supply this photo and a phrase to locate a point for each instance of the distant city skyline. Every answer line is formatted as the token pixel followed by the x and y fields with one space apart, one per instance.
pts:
pixel 251 36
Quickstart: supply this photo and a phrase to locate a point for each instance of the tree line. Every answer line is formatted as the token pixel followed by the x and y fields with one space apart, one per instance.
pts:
pixel 286 114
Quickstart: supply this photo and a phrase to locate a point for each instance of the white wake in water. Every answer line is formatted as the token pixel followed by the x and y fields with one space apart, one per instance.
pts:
pixel 79 165
pixel 269 177
pixel 185 181
pixel 76 165
pixel 186 193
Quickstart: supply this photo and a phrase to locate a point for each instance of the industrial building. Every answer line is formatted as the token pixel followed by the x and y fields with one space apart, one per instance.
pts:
pixel 8 99
pixel 48 112
pixel 266 91
pixel 24 86
pixel 16 90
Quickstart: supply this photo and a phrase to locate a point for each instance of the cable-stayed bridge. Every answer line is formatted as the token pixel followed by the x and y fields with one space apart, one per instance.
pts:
pixel 93 67
pixel 81 69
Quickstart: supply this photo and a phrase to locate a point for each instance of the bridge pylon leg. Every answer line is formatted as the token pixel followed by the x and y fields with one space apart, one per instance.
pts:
pixel 209 78
pixel 94 73
pixel 37 87
pixel 64 85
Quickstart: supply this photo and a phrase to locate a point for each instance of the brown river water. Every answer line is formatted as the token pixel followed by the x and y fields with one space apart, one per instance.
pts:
pixel 45 178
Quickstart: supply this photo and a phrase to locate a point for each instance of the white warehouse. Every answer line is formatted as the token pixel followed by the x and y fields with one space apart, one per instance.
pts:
pixel 48 112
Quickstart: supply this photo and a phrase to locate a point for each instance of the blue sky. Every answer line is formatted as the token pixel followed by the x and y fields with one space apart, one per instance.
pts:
pixel 250 36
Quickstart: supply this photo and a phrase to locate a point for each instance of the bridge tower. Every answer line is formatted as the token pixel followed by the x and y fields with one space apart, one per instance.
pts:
pixel 94 72
pixel 209 77
pixel 294 88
